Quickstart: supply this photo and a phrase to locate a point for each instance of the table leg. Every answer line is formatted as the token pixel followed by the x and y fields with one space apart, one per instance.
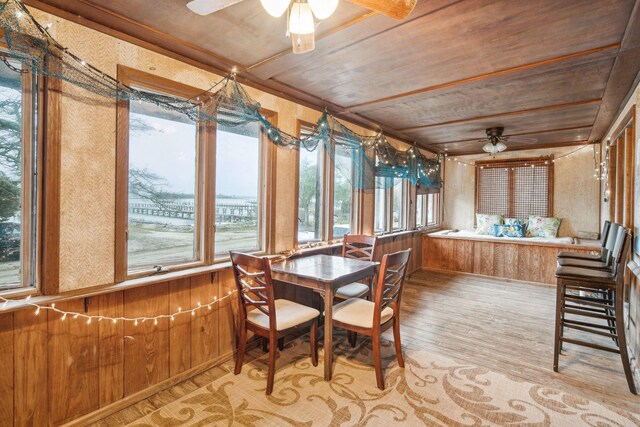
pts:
pixel 327 296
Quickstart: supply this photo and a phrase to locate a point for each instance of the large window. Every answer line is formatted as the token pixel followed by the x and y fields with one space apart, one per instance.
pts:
pixel 516 188
pixel 428 210
pixel 321 179
pixel 187 192
pixel 238 182
pixel 343 178
pixel 163 221
pixel 310 192
pixel 391 201
pixel 18 142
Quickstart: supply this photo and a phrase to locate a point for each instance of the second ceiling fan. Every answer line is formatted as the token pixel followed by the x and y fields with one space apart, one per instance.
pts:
pixel 304 14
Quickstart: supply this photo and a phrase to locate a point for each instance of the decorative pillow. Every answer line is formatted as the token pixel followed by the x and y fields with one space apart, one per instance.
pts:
pixel 509 230
pixel 540 226
pixel 485 223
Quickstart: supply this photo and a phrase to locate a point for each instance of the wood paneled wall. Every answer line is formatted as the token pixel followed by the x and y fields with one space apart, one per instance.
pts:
pixel 53 371
pixel 525 261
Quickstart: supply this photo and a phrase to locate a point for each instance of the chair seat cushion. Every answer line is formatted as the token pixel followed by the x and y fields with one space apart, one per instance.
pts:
pixel 583 263
pixel 352 290
pixel 579 255
pixel 288 315
pixel 585 274
pixel 359 312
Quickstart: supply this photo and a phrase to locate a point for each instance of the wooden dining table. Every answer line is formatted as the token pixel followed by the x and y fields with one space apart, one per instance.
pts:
pixel 323 274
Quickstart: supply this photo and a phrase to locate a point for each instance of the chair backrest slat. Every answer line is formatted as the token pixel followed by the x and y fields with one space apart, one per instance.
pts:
pixel 358 246
pixel 393 269
pixel 610 244
pixel 253 282
pixel 620 252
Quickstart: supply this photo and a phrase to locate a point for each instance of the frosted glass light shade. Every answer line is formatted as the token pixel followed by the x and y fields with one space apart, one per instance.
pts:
pixel 493 149
pixel 323 9
pixel 275 8
pixel 303 43
pixel 301 19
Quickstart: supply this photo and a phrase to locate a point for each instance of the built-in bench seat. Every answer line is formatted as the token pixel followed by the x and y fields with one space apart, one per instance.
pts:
pixel 531 259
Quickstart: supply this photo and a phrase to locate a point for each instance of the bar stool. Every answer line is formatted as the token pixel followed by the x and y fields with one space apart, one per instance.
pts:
pixel 572 279
pixel 603 261
pixel 603 239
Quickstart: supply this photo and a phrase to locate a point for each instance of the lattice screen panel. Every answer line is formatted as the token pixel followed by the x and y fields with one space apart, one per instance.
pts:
pixel 515 189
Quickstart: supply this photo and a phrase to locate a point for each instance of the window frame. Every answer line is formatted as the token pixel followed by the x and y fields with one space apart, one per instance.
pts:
pixel 34 256
pixel 266 213
pixel 205 138
pixel 405 207
pixel 425 210
pixel 327 191
pixel 206 174
pixel 490 163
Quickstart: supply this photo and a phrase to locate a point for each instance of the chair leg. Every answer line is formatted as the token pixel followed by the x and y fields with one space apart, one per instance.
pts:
pixel 281 343
pixel 313 338
pixel 559 323
pixel 242 343
pixel 353 337
pixel 265 344
pixel 273 349
pixel 622 341
pixel 396 340
pixel 377 362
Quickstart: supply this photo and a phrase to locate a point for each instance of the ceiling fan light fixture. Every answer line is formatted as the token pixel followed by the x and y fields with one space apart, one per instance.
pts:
pixel 494 149
pixel 322 9
pixel 501 146
pixel 303 43
pixel 275 8
pixel 301 20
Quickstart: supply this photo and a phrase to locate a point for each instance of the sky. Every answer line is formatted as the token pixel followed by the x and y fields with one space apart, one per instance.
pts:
pixel 169 150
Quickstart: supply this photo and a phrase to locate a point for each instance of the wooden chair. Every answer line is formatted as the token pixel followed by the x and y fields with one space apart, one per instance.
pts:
pixel 372 318
pixel 264 315
pixel 357 247
pixel 575 289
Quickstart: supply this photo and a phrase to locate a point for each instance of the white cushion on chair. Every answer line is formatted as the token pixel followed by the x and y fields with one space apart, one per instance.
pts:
pixel 288 315
pixel 352 290
pixel 359 312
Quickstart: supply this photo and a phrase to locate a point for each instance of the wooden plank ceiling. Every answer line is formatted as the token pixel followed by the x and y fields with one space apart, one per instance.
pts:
pixel 553 72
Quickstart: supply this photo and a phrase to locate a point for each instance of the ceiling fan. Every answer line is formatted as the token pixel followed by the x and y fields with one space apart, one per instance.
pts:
pixel 495 142
pixel 304 15
pixel 398 9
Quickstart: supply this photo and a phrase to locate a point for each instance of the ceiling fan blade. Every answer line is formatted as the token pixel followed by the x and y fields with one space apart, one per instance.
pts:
pixel 205 7
pixel 522 139
pixel 398 9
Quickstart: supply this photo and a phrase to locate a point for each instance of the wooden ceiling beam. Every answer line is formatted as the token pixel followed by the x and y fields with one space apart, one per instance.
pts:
pixel 522 148
pixel 322 36
pixel 510 113
pixel 518 134
pixel 486 75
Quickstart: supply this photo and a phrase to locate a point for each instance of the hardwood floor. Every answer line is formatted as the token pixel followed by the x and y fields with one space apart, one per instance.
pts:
pixel 504 326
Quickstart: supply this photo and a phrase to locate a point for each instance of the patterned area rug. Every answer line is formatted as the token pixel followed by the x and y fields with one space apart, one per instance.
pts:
pixel 431 390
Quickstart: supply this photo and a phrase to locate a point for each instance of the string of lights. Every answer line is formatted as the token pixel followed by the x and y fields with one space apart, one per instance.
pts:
pixel 89 318
pixel 597 174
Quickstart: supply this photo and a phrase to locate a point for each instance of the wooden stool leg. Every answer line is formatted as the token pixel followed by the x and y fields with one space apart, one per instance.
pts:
pixel 313 338
pixel 242 342
pixel 377 361
pixel 559 324
pixel 353 336
pixel 396 340
pixel 620 332
pixel 273 350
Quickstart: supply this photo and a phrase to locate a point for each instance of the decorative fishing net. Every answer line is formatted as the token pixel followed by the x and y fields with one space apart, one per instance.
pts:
pixel 226 103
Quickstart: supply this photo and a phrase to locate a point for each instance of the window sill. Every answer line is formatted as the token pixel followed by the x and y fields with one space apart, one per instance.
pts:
pixel 106 289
